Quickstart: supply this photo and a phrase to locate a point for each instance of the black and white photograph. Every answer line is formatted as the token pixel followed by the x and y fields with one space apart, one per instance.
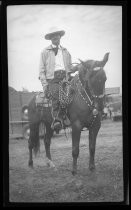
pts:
pixel 65 103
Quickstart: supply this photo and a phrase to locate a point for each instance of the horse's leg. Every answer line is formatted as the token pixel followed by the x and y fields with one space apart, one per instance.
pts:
pixel 47 142
pixel 92 144
pixel 33 142
pixel 30 147
pixel 76 132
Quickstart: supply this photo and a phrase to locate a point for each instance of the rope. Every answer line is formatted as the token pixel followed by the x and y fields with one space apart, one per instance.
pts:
pixel 65 97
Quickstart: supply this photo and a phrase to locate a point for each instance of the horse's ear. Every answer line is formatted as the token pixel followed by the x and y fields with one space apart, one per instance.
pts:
pixel 82 62
pixel 105 59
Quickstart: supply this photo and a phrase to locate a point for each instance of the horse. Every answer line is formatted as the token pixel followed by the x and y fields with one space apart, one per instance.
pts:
pixel 84 111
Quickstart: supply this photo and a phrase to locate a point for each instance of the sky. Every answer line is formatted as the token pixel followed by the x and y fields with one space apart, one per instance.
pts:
pixel 90 32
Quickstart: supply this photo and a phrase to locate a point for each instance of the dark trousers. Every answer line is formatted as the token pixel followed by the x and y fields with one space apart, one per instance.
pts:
pixel 54 89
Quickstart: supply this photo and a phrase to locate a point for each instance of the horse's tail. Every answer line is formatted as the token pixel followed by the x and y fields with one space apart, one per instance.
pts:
pixel 34 127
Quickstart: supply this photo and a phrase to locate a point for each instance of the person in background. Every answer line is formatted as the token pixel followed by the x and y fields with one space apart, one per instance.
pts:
pixel 55 65
pixel 106 111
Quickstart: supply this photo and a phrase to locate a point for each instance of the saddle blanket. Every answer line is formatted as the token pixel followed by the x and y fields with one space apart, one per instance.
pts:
pixel 41 100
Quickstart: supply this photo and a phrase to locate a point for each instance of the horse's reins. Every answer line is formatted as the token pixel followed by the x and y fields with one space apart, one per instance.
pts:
pixel 89 102
pixel 93 95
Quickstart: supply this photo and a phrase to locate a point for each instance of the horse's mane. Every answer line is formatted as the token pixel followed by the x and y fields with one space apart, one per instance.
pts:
pixel 78 78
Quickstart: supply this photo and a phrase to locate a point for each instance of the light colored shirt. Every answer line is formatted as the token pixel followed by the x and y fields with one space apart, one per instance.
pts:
pixel 59 62
pixel 48 63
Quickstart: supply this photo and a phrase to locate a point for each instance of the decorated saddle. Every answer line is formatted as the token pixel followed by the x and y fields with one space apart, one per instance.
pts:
pixel 64 94
pixel 42 100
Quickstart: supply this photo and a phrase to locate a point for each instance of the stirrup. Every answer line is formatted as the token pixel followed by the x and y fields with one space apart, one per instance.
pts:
pixel 56 124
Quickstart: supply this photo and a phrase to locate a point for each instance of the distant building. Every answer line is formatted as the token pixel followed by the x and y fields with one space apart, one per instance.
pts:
pixel 112 90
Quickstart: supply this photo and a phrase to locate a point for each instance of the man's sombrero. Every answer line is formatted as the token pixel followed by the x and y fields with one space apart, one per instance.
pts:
pixel 54 31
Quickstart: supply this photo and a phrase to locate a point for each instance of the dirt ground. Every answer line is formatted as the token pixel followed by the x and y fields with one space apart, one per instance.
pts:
pixel 43 184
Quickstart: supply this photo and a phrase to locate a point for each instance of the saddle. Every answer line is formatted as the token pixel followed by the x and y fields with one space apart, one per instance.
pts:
pixel 42 100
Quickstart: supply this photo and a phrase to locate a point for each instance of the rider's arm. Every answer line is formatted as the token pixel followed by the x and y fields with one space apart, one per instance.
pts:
pixel 42 71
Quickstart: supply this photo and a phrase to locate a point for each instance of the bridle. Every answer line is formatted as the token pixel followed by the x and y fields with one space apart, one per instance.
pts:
pixel 90 102
pixel 93 95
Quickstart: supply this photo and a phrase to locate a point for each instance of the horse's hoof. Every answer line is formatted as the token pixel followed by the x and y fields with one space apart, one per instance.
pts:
pixel 49 163
pixel 74 173
pixel 92 168
pixel 30 164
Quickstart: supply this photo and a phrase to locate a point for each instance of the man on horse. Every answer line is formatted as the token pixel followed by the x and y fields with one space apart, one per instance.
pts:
pixel 55 65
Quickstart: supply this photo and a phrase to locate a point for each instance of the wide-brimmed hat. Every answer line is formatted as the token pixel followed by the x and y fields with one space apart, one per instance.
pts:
pixel 54 31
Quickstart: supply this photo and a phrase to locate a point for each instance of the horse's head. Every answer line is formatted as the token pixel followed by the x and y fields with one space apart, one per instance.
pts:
pixel 93 78
pixel 92 72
